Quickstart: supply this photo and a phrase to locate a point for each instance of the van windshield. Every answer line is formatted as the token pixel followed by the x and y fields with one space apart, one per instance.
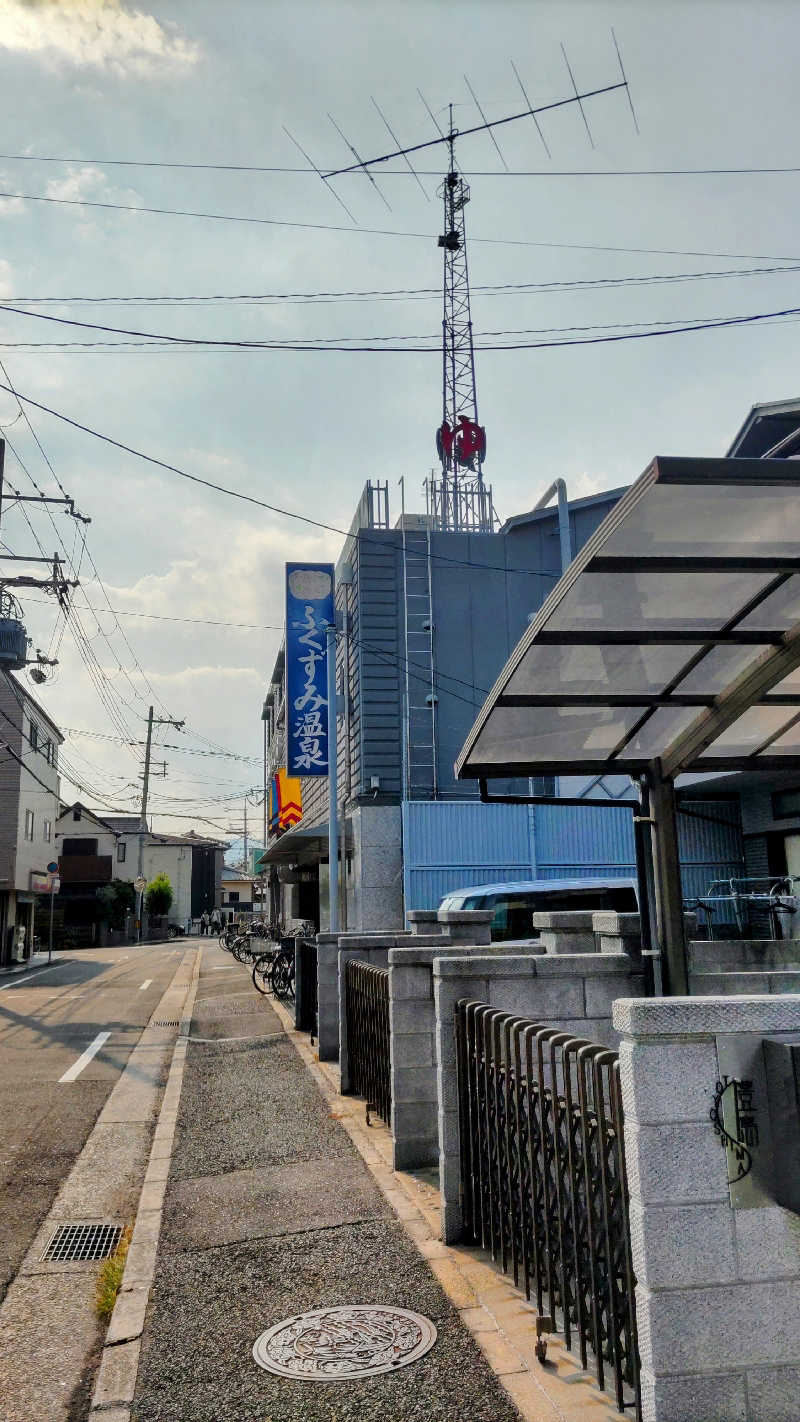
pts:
pixel 513 911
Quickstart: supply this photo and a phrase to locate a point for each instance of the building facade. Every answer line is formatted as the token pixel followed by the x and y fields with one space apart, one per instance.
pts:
pixel 94 849
pixel 29 802
pixel 427 619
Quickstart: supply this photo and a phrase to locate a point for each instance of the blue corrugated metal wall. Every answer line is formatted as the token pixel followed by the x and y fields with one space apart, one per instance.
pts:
pixel 448 845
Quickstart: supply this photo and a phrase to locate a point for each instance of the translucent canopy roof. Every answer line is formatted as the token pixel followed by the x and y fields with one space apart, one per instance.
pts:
pixel 673 636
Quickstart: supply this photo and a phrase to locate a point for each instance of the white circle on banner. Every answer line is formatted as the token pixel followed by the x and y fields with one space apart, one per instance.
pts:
pixel 309 584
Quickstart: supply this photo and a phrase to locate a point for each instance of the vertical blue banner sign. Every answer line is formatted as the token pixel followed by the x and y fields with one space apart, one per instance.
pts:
pixel 309 609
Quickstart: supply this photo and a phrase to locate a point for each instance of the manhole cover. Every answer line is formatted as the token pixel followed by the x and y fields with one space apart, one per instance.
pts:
pixel 353 1341
pixel 82 1242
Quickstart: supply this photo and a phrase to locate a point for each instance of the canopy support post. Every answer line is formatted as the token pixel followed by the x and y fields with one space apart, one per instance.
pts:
pixel 669 895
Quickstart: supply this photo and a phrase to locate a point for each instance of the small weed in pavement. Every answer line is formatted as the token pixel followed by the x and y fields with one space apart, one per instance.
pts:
pixel 109 1276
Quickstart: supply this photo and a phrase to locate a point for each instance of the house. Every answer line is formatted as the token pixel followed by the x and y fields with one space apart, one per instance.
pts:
pixel 95 848
pixel 29 800
pixel 239 892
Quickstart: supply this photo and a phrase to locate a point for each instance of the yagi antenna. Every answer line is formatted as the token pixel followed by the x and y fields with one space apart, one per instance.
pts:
pixel 431 114
pixel 530 110
pixel 396 140
pixel 313 165
pixel 486 122
pixel 359 163
pixel 577 96
pixel 627 85
pixel 488 125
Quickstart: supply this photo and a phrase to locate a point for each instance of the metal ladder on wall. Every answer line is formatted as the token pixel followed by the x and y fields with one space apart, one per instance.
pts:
pixel 421 777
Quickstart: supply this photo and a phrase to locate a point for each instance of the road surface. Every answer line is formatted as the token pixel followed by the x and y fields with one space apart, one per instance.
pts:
pixel 66 1032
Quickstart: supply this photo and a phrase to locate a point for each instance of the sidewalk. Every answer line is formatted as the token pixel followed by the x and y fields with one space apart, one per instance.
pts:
pixel 270 1211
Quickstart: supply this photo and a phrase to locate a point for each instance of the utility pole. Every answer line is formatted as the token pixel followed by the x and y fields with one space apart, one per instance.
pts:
pixel 151 722
pixel 246 860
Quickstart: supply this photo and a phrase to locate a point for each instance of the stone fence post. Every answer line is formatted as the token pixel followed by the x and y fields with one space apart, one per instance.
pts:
pixel 717 1264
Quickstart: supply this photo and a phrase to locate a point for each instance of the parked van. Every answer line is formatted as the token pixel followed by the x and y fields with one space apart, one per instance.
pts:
pixel 515 904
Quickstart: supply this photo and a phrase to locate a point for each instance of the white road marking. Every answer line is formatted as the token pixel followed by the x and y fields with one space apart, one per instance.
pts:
pixel 27 976
pixel 145 984
pixel 85 1057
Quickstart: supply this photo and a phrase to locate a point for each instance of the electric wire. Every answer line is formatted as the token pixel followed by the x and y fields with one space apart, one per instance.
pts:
pixel 390 232
pixel 723 322
pixel 403 172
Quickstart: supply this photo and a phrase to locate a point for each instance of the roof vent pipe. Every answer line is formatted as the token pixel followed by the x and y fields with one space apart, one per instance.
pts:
pixel 565 538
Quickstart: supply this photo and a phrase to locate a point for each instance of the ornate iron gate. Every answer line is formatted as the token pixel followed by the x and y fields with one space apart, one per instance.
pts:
pixel 544 1187
pixel 367 1008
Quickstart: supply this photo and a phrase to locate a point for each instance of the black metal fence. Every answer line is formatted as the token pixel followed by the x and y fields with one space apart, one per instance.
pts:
pixel 367 1008
pixel 305 979
pixel 544 1186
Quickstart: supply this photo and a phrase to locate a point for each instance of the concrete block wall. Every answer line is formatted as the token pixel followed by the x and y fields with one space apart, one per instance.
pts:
pixel 718 1293
pixel 412 1020
pixel 427 927
pixel 731 967
pixel 572 991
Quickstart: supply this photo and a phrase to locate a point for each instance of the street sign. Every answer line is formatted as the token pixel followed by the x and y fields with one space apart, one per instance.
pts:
pixel 140 884
pixel 52 868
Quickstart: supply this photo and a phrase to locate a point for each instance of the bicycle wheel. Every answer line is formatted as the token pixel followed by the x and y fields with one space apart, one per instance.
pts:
pixel 241 948
pixel 262 973
pixel 283 976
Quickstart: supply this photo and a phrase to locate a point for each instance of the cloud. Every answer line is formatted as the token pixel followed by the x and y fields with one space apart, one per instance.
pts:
pixel 76 184
pixel 6 283
pixel 102 33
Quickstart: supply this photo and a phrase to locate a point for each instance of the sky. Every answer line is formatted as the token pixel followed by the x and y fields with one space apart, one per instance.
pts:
pixel 104 88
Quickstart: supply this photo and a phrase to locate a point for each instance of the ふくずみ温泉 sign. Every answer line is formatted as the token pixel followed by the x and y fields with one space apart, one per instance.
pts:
pixel 309 612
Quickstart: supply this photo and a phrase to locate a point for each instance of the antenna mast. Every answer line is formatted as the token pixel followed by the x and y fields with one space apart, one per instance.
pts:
pixel 458 501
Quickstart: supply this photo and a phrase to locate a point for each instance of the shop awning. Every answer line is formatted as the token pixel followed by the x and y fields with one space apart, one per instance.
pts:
pixel 674 636
pixel 303 839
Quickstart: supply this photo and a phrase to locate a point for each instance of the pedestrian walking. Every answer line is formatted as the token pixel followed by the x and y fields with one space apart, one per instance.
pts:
pixel 216 920
pixel 204 921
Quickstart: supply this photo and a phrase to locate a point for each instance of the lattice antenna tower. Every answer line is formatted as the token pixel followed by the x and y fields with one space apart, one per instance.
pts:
pixel 459 500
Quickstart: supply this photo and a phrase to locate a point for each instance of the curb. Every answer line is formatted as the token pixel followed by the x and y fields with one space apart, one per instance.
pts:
pixel 119 1363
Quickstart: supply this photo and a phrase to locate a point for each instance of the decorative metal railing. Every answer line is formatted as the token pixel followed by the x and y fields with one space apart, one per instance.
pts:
pixel 367 1008
pixel 544 1186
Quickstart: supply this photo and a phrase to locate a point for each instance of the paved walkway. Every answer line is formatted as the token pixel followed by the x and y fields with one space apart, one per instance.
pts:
pixel 270 1211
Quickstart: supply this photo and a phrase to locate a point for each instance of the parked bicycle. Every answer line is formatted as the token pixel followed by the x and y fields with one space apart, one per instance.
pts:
pixel 273 972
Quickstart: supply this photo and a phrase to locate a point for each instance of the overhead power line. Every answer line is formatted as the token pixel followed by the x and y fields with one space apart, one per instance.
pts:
pixel 424 293
pixel 389 232
pixel 185 165
pixel 306 346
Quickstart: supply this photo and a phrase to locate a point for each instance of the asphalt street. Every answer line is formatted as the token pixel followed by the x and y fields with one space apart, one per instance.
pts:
pixel 57 1068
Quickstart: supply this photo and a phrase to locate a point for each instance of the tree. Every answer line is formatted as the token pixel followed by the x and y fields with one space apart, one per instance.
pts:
pixel 158 898
pixel 116 900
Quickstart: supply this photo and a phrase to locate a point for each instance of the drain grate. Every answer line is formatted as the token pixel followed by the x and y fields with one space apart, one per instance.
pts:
pixel 82 1242
pixel 161 1022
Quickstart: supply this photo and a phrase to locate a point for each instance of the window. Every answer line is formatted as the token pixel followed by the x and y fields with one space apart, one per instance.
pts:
pixel 47 831
pixel 79 846
pixel 47 748
pixel 34 736
pixel 29 824
pixel 76 814
pixel 122 850
pixel 233 896
pixel 785 804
